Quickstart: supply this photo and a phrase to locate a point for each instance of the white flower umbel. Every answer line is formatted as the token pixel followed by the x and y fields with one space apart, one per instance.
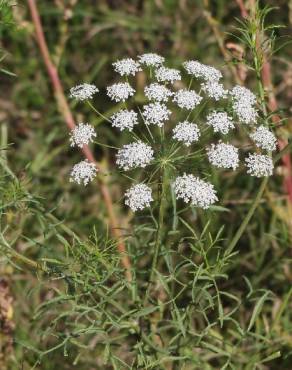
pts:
pixel 195 191
pixel 264 138
pixel 241 93
pixel 138 197
pixel 214 90
pixel 186 132
pixel 151 59
pixel 203 71
pixel 83 92
pixel 124 119
pixel 187 99
pixel 223 155
pixel 83 172
pixel 245 112
pixel 127 67
pixel 164 74
pixel 82 134
pixel 120 91
pixel 156 114
pixel 220 121
pixel 134 155
pixel 157 92
pixel 259 165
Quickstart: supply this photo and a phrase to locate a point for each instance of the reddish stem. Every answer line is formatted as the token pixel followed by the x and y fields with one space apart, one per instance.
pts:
pixel 68 118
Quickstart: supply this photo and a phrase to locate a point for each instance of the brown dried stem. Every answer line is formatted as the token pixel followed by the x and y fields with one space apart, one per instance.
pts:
pixel 68 118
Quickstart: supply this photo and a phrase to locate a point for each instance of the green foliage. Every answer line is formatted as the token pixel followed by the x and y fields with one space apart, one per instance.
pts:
pixel 211 306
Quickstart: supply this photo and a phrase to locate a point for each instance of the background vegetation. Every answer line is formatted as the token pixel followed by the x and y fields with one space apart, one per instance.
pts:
pixel 64 301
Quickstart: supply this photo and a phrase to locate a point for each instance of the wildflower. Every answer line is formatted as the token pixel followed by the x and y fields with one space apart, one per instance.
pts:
pixel 259 165
pixel 134 155
pixel 241 93
pixel 82 134
pixel 164 74
pixel 186 132
pixel 127 67
pixel 199 70
pixel 151 59
pixel 156 114
pixel 245 112
pixel 214 90
pixel 124 119
pixel 264 138
pixel 187 99
pixel 138 197
pixel 194 190
pixel 223 155
pixel 83 92
pixel 83 172
pixel 157 92
pixel 120 91
pixel 220 121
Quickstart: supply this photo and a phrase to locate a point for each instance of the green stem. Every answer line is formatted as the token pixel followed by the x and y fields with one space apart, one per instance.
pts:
pixel 97 112
pixel 247 218
pixel 160 228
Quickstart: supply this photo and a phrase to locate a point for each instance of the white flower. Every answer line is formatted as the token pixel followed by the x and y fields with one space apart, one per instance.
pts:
pixel 134 155
pixel 138 197
pixel 83 92
pixel 220 121
pixel 259 165
pixel 156 114
pixel 164 74
pixel 223 155
pixel 157 92
pixel 83 172
pixel 120 91
pixel 214 90
pixel 151 59
pixel 124 119
pixel 194 190
pixel 199 70
pixel 245 112
pixel 186 132
pixel 264 138
pixel 82 134
pixel 127 67
pixel 187 99
pixel 241 93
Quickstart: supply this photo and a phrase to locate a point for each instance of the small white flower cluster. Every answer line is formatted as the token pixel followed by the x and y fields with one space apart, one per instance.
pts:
pixel 83 92
pixel 82 134
pixel 138 197
pixel 214 90
pixel 124 119
pixel 156 114
pixel 127 67
pixel 243 104
pixel 264 139
pixel 157 92
pixel 220 121
pixel 151 59
pixel 83 172
pixel 120 91
pixel 164 74
pixel 187 99
pixel 186 132
pixel 137 154
pixel 195 191
pixel 223 155
pixel 203 71
pixel 259 165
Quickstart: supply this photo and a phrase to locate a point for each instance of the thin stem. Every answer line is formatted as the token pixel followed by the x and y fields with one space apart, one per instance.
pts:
pixel 247 218
pixel 97 112
pixel 160 228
